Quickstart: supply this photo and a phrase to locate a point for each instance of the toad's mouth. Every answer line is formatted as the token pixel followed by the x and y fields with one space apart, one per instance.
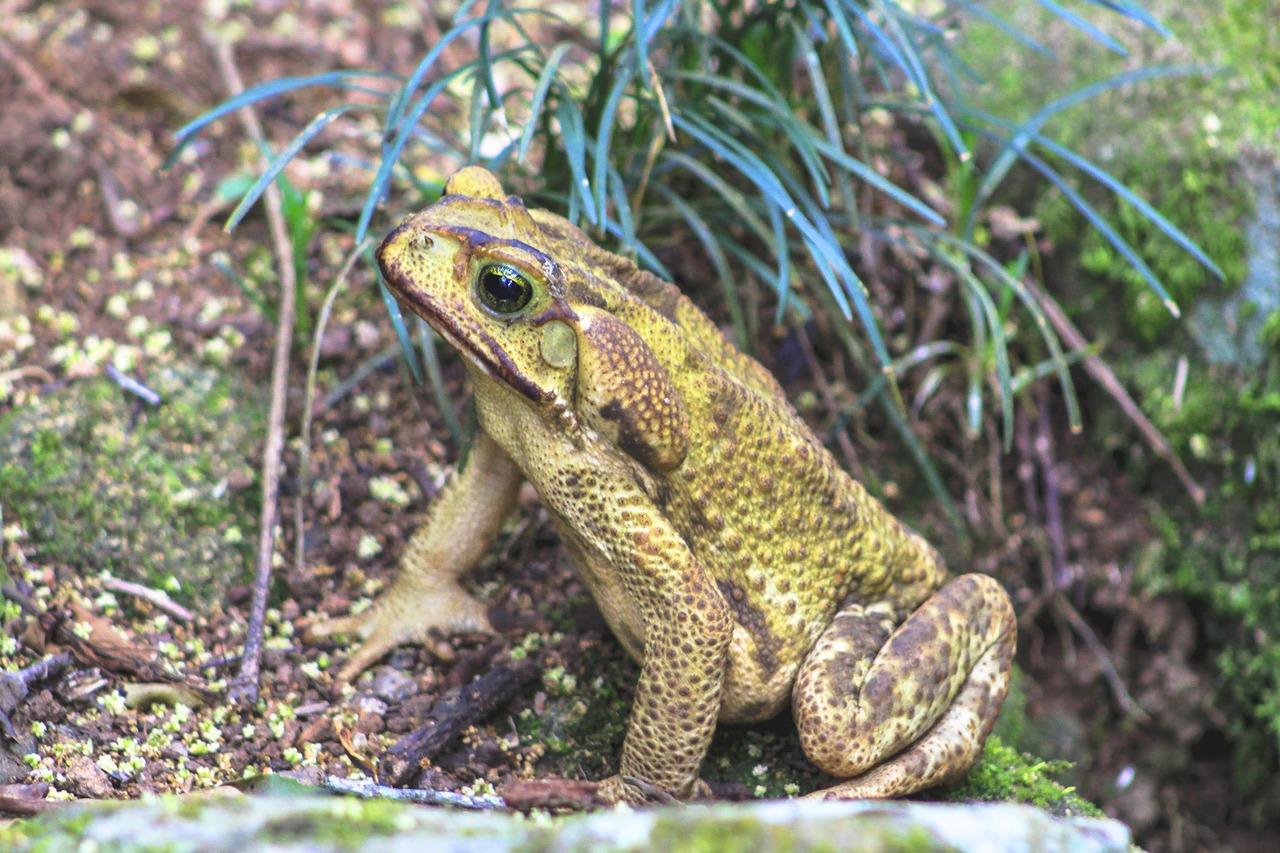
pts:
pixel 472 341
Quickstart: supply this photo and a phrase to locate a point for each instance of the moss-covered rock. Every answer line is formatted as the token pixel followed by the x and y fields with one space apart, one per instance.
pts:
pixel 324 824
pixel 161 495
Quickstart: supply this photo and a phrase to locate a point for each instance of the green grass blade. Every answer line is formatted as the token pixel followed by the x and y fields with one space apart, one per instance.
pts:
pixel 625 220
pixel 397 323
pixel 1136 12
pixel 1032 305
pixel 435 378
pixel 1127 195
pixel 881 183
pixel 574 138
pixel 286 155
pixel 604 136
pixel 396 115
pixel 736 201
pixel 1017 142
pixel 782 250
pixel 336 79
pixel 1084 26
pixel 644 256
pixel 715 252
pixel 545 80
pixel 988 17
pixel 902 52
pixel 1104 228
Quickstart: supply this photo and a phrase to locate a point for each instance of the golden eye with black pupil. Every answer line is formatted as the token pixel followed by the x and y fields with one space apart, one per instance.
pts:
pixel 504 289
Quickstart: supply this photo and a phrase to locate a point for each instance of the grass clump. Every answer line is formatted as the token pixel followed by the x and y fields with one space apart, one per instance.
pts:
pixel 804 149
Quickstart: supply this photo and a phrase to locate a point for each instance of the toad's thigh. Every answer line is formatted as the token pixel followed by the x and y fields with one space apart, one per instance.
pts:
pixel 869 690
pixel 757 685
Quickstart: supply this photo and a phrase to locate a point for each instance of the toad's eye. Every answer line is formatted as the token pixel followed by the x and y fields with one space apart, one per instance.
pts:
pixel 504 289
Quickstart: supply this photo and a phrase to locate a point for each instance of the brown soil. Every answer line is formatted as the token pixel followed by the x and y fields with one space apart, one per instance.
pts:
pixel 92 93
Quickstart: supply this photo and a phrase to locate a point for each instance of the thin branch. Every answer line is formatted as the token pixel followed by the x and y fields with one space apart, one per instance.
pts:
pixel 157 597
pixel 1104 376
pixel 244 689
pixel 304 452
pixel 370 790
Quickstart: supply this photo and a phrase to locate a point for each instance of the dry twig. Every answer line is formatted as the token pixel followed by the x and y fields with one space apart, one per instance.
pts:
pixel 370 790
pixel 244 689
pixel 157 597
pixel 453 714
pixel 1106 377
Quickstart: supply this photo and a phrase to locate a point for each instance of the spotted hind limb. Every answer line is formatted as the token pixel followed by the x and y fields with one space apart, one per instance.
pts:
pixel 463 521
pixel 893 710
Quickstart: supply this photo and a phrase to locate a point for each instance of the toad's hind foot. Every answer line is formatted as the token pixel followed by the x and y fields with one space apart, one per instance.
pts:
pixel 897 710
pixel 944 753
pixel 401 617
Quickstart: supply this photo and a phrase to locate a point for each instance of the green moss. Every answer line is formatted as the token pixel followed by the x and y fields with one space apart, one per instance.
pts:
pixel 1006 775
pixel 101 481
pixel 1202 192
pixel 1226 556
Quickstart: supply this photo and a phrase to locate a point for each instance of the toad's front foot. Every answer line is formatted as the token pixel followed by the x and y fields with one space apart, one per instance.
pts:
pixel 640 792
pixel 405 614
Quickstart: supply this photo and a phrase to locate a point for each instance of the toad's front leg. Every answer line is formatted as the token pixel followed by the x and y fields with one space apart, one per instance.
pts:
pixel 670 614
pixel 895 710
pixel 462 523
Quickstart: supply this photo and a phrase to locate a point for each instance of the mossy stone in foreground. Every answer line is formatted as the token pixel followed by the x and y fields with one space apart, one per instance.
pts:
pixel 241 825
pixel 102 481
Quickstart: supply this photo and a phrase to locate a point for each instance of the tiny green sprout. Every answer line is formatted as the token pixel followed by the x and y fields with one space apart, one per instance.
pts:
pixel 201 747
pixel 760 792
pixel 8 645
pixel 791 789
pixel 368 547
pixel 108 764
pixel 117 306
pixel 388 490
pixel 248 731
pixel 311 670
pixel 32 759
pixel 291 755
pixel 479 788
pixel 38 729
pixel 83 630
pixel 172 584
pixel 113 703
pixel 122 267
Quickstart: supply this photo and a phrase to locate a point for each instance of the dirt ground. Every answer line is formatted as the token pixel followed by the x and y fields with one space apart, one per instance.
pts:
pixel 91 96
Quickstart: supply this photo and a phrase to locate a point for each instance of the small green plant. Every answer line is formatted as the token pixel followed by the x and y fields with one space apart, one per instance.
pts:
pixel 300 222
pixel 786 139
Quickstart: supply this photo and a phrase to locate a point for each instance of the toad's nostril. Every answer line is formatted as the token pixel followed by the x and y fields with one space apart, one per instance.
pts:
pixel 425 242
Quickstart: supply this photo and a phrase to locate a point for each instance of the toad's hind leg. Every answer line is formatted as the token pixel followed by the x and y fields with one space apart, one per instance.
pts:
pixel 895 711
